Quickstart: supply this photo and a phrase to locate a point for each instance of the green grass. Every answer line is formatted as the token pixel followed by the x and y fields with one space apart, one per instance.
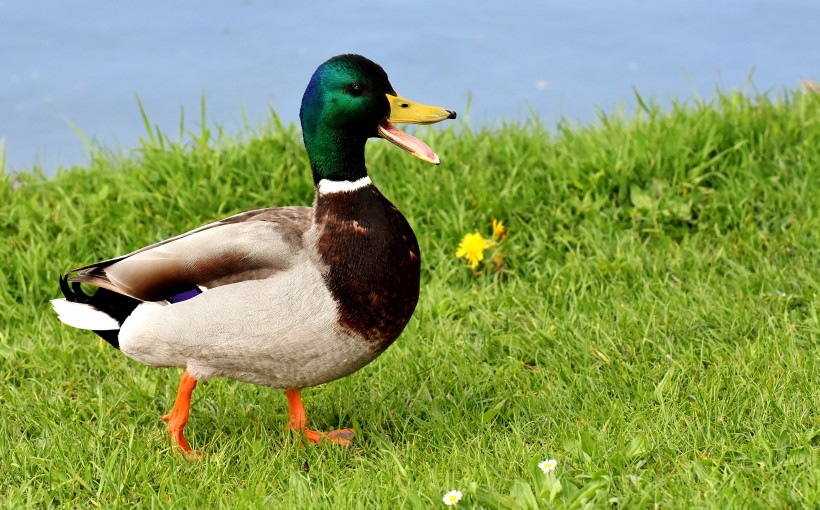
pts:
pixel 655 328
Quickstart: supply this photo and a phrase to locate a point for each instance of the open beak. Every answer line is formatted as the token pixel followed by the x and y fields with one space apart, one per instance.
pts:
pixel 408 112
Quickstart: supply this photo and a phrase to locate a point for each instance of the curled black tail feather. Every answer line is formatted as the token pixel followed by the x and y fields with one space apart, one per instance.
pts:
pixel 111 303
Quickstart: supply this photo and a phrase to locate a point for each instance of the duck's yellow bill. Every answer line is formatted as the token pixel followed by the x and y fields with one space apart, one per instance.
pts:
pixel 408 112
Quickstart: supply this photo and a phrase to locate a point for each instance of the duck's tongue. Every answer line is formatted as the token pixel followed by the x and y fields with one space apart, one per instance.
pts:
pixel 409 143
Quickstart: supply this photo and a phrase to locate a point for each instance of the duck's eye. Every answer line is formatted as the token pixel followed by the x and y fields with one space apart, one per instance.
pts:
pixel 356 90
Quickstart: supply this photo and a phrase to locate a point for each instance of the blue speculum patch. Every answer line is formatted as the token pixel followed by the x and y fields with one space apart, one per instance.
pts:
pixel 182 296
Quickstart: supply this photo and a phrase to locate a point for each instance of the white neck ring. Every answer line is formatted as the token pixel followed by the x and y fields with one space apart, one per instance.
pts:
pixel 328 186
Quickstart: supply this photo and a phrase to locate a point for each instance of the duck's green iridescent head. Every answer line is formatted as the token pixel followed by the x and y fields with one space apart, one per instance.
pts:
pixel 348 100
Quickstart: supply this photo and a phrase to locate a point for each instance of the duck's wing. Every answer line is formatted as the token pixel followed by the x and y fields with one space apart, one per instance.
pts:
pixel 248 246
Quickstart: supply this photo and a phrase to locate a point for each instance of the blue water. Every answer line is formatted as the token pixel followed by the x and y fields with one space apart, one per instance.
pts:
pixel 84 61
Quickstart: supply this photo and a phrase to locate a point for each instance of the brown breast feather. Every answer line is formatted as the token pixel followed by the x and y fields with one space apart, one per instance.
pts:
pixel 373 262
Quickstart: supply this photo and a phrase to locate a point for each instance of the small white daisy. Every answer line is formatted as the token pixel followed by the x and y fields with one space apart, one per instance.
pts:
pixel 548 465
pixel 451 498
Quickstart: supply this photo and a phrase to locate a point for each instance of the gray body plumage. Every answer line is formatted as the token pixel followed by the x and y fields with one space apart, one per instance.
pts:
pixel 281 331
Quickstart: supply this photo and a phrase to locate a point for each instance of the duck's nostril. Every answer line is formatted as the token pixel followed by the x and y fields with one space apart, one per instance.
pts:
pixel 405 105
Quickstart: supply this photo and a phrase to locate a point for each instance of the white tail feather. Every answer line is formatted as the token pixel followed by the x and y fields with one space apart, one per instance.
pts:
pixel 83 316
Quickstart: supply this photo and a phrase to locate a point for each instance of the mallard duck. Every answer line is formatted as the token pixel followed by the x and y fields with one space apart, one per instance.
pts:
pixel 286 297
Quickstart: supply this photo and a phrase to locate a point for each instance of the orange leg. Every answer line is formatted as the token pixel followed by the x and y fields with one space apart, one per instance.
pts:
pixel 298 421
pixel 178 417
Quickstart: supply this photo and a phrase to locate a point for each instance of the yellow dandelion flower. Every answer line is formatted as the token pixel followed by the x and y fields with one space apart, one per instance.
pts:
pixel 499 230
pixel 472 248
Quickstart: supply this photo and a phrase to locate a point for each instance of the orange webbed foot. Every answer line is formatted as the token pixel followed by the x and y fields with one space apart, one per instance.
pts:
pixel 343 437
pixel 176 429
